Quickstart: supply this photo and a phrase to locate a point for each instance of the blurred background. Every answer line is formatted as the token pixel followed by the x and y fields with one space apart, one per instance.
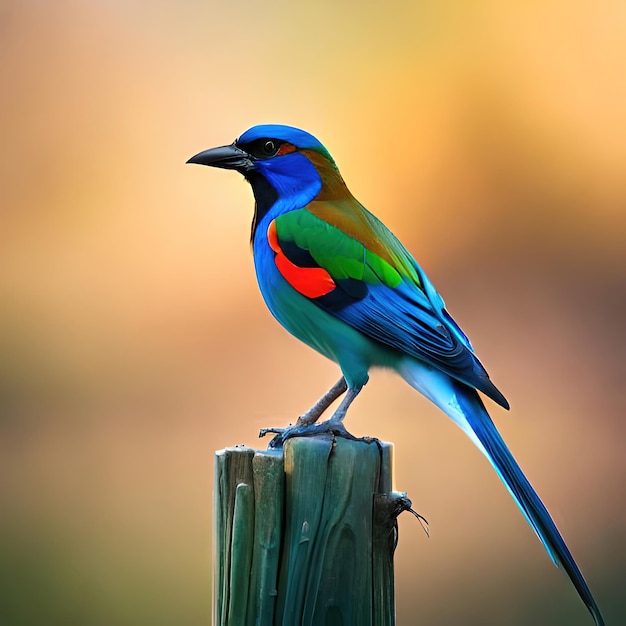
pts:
pixel 133 342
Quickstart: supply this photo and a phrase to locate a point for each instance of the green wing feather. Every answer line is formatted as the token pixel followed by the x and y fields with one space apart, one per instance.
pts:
pixel 341 255
pixel 355 221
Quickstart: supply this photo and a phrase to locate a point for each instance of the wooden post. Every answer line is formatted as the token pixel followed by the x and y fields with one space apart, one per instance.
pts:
pixel 305 535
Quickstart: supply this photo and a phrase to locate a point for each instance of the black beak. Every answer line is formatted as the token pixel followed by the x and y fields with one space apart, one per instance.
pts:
pixel 228 157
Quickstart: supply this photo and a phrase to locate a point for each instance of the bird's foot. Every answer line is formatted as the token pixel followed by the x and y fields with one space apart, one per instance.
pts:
pixel 332 426
pixel 307 425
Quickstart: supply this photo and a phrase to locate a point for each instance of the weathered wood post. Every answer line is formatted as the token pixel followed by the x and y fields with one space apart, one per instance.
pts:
pixel 306 534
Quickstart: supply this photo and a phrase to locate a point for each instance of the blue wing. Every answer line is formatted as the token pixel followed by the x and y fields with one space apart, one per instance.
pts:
pixel 407 319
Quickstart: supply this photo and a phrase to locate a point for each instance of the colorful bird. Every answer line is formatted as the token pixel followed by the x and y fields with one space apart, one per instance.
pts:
pixel 335 277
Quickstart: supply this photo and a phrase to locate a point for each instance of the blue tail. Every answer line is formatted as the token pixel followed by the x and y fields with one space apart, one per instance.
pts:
pixel 522 491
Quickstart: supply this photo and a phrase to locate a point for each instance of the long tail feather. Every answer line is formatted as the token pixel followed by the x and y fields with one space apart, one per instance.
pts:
pixel 465 407
pixel 523 493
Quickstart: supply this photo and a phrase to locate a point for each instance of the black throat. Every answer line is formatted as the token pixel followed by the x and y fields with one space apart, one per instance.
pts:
pixel 264 195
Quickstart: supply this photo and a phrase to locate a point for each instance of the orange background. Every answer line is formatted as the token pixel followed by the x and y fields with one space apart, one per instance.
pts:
pixel 133 342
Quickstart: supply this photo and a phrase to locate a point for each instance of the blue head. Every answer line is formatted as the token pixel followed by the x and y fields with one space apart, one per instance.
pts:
pixel 287 167
pixel 281 134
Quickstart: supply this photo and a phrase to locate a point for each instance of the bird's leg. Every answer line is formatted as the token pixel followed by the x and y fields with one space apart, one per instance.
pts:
pixel 308 419
pixel 315 412
pixel 337 417
pixel 334 425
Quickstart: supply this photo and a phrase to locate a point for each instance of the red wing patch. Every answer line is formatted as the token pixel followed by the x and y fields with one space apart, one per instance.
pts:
pixel 311 282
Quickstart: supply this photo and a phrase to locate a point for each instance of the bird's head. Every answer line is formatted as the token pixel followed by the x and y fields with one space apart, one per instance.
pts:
pixel 281 163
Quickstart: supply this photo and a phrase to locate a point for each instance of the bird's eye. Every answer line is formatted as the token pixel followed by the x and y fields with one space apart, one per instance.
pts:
pixel 262 148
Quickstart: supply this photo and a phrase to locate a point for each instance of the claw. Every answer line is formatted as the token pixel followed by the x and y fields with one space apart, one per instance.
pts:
pixel 307 424
pixel 331 426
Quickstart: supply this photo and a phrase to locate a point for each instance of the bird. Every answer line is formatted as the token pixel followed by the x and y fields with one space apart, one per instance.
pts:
pixel 335 277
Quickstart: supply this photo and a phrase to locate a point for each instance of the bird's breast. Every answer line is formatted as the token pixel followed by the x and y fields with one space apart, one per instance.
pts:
pixel 304 319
